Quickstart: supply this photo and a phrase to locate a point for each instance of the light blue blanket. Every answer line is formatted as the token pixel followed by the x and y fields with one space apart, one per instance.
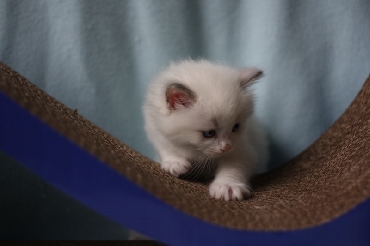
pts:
pixel 99 56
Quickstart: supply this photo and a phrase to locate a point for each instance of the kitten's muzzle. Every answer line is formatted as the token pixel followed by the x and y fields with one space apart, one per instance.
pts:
pixel 226 148
pixel 223 149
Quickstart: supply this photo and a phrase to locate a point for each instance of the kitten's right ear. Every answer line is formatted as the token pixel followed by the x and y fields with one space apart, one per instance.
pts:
pixel 249 75
pixel 179 96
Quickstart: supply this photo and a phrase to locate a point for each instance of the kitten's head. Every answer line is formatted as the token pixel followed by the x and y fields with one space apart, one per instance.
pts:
pixel 206 105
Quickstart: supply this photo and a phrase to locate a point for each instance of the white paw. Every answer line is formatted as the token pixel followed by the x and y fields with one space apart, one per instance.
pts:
pixel 229 191
pixel 176 167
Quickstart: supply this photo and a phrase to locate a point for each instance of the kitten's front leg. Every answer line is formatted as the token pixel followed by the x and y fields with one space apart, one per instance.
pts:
pixel 175 165
pixel 170 157
pixel 230 182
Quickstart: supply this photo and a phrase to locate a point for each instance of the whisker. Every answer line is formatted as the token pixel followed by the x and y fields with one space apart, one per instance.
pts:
pixel 194 167
pixel 209 173
pixel 209 168
pixel 196 170
pixel 201 167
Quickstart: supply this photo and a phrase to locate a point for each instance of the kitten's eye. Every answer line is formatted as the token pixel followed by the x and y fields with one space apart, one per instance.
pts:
pixel 235 127
pixel 209 134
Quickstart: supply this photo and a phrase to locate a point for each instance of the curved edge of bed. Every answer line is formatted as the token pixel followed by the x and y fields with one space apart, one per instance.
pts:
pixel 103 189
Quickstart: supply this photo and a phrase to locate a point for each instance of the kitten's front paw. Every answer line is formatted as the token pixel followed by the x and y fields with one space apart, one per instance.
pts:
pixel 176 167
pixel 229 191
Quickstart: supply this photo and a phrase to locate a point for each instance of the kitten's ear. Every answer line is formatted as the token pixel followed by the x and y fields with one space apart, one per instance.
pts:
pixel 249 75
pixel 178 96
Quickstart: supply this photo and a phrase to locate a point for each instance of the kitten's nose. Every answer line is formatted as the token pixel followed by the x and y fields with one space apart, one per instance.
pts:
pixel 227 147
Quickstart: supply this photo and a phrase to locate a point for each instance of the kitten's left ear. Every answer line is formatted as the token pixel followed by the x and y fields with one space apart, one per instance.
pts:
pixel 179 96
pixel 249 75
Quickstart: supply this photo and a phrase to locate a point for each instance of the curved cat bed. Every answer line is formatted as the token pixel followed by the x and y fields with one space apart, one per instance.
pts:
pixel 320 196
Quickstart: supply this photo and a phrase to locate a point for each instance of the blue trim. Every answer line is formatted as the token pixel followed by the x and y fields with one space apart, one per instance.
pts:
pixel 82 176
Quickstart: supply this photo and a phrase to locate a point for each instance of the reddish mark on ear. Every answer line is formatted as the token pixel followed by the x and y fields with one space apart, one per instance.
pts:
pixel 178 96
pixel 177 99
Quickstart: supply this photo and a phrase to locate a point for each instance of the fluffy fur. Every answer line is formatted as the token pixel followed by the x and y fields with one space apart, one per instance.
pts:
pixel 199 116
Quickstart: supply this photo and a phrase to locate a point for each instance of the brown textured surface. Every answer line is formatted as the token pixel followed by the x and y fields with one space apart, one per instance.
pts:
pixel 323 182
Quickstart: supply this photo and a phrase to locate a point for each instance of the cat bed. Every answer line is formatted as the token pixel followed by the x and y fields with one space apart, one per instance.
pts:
pixel 321 196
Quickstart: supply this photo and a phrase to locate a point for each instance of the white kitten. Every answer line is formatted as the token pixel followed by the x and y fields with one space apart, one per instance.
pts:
pixel 199 113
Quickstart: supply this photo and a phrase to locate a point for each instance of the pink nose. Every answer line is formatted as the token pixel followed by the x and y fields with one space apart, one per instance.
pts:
pixel 227 147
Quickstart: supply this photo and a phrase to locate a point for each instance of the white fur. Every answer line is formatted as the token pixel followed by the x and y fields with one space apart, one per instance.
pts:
pixel 222 100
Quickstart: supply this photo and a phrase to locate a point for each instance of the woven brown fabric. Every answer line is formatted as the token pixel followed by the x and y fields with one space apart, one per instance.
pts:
pixel 323 182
